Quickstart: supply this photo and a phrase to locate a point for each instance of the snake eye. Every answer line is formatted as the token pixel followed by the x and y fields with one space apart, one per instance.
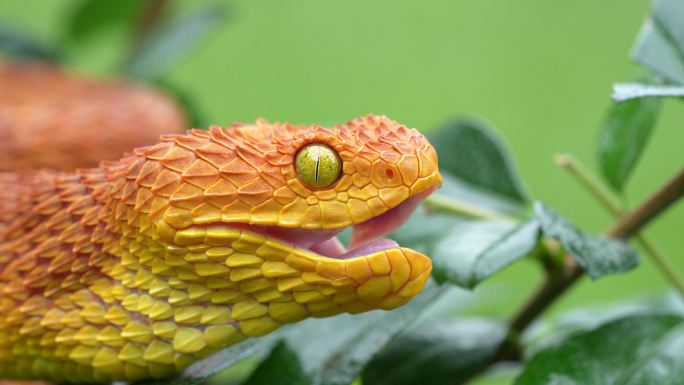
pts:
pixel 318 165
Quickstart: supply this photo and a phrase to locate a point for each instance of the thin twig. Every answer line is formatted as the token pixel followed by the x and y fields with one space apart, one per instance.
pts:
pixel 596 188
pixel 436 202
pixel 612 204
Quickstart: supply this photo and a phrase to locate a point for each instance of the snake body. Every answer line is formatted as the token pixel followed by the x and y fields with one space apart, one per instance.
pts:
pixel 54 119
pixel 140 267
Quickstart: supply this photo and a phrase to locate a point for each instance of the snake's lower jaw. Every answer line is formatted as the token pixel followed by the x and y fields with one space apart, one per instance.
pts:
pixel 398 275
pixel 266 268
pixel 294 283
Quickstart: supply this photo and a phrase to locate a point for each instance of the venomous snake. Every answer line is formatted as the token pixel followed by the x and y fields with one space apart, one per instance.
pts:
pixel 138 267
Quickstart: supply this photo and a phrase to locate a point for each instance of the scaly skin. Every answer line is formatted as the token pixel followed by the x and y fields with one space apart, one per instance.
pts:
pixel 140 267
pixel 53 119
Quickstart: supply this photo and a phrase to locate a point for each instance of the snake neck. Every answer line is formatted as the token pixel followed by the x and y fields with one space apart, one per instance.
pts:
pixel 54 226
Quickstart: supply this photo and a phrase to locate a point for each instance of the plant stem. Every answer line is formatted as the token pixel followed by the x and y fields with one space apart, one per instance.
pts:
pixel 557 284
pixel 612 204
pixel 596 188
pixel 436 202
pixel 630 223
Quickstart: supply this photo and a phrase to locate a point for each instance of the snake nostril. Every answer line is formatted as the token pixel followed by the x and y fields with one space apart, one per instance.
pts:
pixel 389 173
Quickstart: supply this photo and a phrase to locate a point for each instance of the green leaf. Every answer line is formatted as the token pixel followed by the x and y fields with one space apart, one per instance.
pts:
pixel 282 366
pixel 456 256
pixel 627 91
pixel 18 44
pixel 549 332
pixel 669 15
pixel 630 351
pixel 598 256
pixel 93 16
pixel 436 354
pixel 624 135
pixel 660 45
pixel 346 364
pixel 172 41
pixel 333 351
pixel 511 246
pixel 656 51
pixel 472 152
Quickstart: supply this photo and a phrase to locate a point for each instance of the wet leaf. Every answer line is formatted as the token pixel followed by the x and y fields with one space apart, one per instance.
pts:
pixel 455 256
pixel 660 45
pixel 466 252
pixel 549 332
pixel 669 14
pixel 346 364
pixel 656 51
pixel 282 366
pixel 625 132
pixel 472 152
pixel 435 354
pixel 598 256
pixel 630 351
pixel 626 91
pixel 333 351
pixel 511 246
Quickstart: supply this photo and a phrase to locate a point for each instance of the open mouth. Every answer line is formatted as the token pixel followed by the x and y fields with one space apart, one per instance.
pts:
pixel 367 237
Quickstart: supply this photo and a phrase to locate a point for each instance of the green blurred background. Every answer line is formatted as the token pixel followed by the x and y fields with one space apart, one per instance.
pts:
pixel 539 70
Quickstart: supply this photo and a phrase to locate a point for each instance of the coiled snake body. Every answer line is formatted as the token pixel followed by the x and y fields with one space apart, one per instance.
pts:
pixel 139 267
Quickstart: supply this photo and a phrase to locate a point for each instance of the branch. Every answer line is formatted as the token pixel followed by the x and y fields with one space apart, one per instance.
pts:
pixel 612 204
pixel 557 284
pixel 630 223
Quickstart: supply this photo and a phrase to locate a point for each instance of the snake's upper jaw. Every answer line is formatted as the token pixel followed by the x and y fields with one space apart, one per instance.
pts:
pixel 371 230
pixel 366 236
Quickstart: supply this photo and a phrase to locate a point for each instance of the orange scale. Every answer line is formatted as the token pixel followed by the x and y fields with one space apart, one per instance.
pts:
pixel 166 183
pixel 215 154
pixel 156 152
pixel 178 159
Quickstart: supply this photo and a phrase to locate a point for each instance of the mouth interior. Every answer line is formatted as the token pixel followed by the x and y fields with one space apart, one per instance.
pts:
pixel 367 237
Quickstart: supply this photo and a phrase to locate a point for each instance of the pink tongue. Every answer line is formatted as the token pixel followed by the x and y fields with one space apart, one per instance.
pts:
pixel 333 248
pixel 385 223
pixel 364 238
pixel 330 248
pixel 370 248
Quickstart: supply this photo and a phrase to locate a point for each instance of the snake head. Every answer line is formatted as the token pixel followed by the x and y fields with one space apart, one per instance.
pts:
pixel 242 223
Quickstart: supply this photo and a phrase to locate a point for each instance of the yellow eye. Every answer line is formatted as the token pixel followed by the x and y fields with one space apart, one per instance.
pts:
pixel 318 165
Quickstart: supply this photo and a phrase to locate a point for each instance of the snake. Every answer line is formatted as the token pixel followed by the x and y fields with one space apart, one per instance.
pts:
pixel 135 268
